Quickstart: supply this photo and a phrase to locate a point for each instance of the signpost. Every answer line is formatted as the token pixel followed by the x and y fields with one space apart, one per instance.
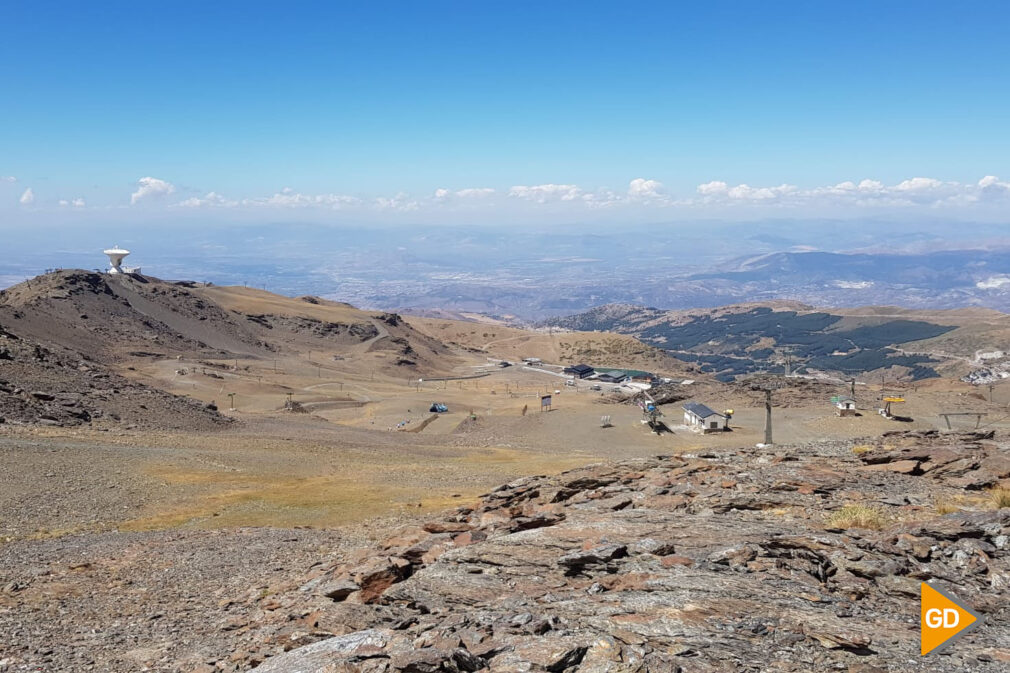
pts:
pixel 545 403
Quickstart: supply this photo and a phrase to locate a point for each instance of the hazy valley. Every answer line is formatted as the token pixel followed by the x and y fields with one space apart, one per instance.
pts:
pixel 530 275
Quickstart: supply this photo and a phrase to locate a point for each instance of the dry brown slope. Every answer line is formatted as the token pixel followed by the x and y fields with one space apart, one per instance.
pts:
pixel 596 348
pixel 307 323
pixel 116 319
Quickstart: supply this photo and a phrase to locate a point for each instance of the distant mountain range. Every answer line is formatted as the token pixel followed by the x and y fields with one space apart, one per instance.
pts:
pixel 945 279
pixel 937 280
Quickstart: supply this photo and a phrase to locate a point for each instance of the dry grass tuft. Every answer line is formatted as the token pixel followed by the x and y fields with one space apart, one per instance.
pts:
pixel 860 449
pixel 945 506
pixel 999 496
pixel 857 516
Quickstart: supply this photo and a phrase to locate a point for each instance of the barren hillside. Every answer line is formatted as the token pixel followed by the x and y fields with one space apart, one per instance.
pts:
pixel 119 318
pixel 560 346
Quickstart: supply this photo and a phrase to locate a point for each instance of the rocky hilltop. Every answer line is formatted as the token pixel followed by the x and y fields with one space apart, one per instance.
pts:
pixel 802 558
pixel 115 318
pixel 72 340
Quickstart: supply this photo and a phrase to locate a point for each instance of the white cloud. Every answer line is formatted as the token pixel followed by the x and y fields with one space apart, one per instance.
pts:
pixel 991 187
pixel 849 188
pixel 401 202
pixel 714 188
pixel 8 178
pixel 210 200
pixel 151 188
pixel 914 192
pixel 918 185
pixel 601 198
pixel 849 196
pixel 640 188
pixel 289 198
pixel 717 189
pixel 545 193
pixel 475 193
pixel 442 195
pixel 748 193
pixel 873 186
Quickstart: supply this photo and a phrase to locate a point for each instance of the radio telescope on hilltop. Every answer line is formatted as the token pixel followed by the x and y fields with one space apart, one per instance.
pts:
pixel 116 256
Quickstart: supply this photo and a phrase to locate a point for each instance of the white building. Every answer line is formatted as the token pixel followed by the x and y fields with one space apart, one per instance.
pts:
pixel 846 406
pixel 701 419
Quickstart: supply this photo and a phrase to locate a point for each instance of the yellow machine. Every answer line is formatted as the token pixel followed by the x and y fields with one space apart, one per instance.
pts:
pixel 888 401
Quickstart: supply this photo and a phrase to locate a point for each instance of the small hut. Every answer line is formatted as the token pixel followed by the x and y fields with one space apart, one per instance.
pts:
pixel 845 406
pixel 702 419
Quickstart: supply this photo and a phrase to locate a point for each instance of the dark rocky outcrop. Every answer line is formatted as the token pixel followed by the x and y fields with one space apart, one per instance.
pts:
pixel 731 562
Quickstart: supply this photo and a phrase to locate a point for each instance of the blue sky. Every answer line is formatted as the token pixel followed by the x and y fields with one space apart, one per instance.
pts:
pixel 485 111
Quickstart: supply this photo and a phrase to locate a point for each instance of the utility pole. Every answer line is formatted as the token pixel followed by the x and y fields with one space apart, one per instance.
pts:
pixel 768 416
pixel 231 396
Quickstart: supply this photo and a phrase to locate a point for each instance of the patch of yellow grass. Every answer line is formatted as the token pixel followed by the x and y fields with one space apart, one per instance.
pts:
pixel 225 499
pixel 857 516
pixel 999 496
pixel 945 506
pixel 860 449
pixel 216 498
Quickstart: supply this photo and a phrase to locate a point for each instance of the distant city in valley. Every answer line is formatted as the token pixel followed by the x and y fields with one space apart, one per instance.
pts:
pixel 527 275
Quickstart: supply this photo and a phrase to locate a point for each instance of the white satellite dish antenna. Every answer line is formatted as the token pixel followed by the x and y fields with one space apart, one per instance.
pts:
pixel 116 255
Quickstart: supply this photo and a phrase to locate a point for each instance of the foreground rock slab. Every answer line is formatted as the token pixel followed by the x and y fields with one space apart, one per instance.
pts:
pixel 737 561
